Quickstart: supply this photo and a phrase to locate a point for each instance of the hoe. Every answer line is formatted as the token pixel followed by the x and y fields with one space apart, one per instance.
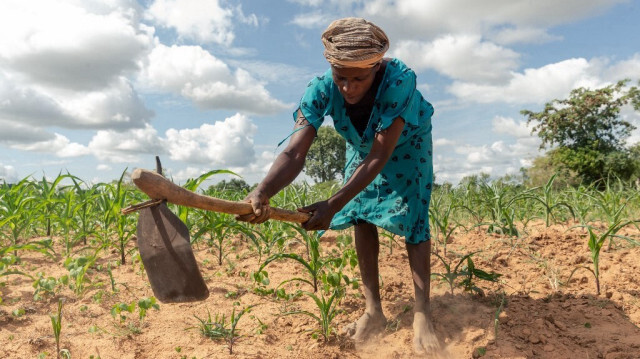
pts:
pixel 163 239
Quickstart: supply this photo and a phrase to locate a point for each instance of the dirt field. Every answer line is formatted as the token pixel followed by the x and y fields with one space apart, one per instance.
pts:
pixel 534 312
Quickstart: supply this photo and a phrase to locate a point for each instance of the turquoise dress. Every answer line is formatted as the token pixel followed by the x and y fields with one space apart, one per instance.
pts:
pixel 398 198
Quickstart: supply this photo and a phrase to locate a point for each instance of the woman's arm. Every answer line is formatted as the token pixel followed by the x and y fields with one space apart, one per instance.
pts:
pixel 284 170
pixel 382 148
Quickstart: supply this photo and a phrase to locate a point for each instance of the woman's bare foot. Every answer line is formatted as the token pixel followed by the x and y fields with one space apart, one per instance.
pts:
pixel 424 337
pixel 367 326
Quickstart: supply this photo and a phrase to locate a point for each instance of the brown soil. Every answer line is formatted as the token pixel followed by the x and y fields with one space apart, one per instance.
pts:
pixel 534 312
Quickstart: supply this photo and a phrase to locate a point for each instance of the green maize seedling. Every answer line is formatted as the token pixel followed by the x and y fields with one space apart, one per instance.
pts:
pixel 56 323
pixel 440 217
pixel 327 309
pixel 143 305
pixel 313 266
pixel 219 328
pixel 595 245
pixel 548 200
pixel 469 273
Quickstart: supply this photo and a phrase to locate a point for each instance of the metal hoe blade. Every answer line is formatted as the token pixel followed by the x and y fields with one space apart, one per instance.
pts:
pixel 165 249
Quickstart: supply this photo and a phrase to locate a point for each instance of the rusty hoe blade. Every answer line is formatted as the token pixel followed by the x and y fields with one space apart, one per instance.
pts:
pixel 165 249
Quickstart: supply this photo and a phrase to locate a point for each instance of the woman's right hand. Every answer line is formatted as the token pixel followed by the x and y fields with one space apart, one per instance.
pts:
pixel 261 210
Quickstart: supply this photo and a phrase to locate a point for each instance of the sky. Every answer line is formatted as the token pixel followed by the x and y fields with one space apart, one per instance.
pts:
pixel 95 88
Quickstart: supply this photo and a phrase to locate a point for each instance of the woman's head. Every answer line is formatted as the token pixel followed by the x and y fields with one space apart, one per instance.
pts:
pixel 354 82
pixel 354 42
pixel 354 47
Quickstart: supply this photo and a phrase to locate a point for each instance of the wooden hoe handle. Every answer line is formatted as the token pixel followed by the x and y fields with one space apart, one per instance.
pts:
pixel 158 187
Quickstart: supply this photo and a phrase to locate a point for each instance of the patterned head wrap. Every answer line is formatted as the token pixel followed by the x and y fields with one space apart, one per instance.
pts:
pixel 354 42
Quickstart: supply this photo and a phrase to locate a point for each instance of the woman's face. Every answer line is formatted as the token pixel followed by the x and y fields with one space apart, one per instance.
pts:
pixel 353 82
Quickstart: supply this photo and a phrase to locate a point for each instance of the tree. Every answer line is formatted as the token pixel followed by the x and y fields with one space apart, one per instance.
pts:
pixel 543 168
pixel 635 153
pixel 586 133
pixel 233 185
pixel 326 158
pixel 475 180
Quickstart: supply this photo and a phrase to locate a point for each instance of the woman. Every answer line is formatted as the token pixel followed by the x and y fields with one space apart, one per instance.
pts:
pixel 386 122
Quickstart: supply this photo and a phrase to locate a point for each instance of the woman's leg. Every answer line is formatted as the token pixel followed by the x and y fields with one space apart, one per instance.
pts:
pixel 420 263
pixel 368 248
pixel 424 338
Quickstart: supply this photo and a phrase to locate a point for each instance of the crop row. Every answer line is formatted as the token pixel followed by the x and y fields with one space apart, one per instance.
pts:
pixel 86 220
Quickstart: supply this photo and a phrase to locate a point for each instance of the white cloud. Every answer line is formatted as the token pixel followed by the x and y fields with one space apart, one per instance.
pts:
pixel 258 169
pixel 500 153
pixel 24 103
pixel 507 125
pixel 14 133
pixel 198 20
pixel 26 138
pixel 625 69
pixel 227 143
pixel 533 85
pixel 451 170
pixel 68 148
pixel 419 19
pixel 250 19
pixel 311 20
pixel 207 81
pixel 252 169
pixel 126 146
pixel 462 57
pixel 346 7
pixel 308 2
pixel 70 45
pixel 65 64
pixel 251 173
pixel 273 72
pixel 182 175
pixel 552 81
pixel 423 88
pixel 59 145
pixel 103 167
pixel 443 142
pixel 496 159
pixel 531 35
pixel 485 154
pixel 266 160
pixel 8 174
pixel 115 106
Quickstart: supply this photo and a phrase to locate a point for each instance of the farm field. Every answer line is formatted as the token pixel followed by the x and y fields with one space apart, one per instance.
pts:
pixel 525 287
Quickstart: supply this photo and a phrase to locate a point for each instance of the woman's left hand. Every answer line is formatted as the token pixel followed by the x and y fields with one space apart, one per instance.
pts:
pixel 321 216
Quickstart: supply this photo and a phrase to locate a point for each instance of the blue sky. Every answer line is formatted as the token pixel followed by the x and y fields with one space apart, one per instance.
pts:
pixel 94 87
